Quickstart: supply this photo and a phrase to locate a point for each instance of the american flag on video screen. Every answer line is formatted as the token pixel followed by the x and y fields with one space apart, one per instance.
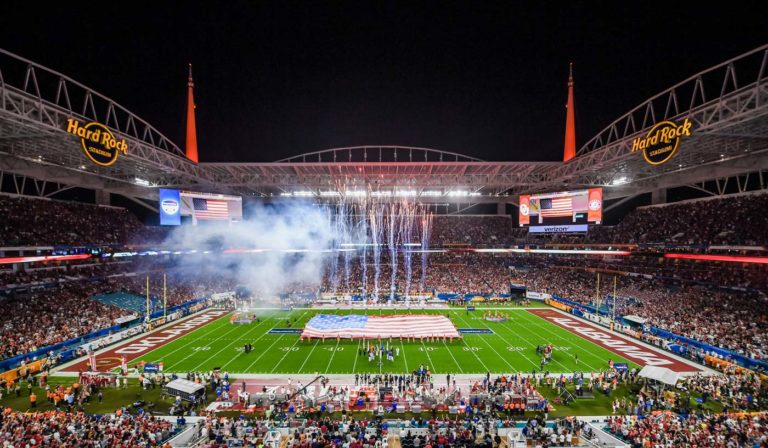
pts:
pixel 554 207
pixel 210 208
pixel 374 327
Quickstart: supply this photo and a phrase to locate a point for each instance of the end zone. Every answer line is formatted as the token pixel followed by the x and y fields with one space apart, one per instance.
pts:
pixel 636 351
pixel 111 357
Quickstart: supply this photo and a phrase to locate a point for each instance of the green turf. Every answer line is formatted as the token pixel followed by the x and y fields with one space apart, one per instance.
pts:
pixel 113 398
pixel 512 348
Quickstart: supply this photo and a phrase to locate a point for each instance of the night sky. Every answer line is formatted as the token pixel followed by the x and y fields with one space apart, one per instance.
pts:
pixel 276 79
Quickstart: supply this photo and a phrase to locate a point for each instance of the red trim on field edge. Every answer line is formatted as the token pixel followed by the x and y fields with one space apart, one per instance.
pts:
pixel 626 348
pixel 112 358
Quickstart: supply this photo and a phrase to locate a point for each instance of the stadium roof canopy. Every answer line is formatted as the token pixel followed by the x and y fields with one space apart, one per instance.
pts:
pixel 727 105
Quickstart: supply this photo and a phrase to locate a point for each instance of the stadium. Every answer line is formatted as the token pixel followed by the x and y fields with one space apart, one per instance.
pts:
pixel 383 295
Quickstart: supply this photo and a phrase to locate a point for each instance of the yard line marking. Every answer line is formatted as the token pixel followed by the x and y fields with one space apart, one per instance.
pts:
pixel 192 352
pixel 230 345
pixel 357 355
pixel 534 345
pixel 518 336
pixel 404 357
pixel 267 350
pixel 514 370
pixel 202 337
pixel 453 357
pixel 305 359
pixel 432 370
pixel 332 355
pixel 562 338
pixel 264 352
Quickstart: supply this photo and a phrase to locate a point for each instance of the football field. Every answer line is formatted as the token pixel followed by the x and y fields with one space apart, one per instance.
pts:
pixel 508 347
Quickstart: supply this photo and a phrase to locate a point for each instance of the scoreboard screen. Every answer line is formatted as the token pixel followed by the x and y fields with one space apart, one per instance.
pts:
pixel 199 206
pixel 566 211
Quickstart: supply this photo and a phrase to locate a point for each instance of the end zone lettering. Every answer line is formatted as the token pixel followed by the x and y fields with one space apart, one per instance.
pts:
pixel 98 142
pixel 662 141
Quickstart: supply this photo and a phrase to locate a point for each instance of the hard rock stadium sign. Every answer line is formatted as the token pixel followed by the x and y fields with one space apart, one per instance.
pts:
pixel 662 141
pixel 98 142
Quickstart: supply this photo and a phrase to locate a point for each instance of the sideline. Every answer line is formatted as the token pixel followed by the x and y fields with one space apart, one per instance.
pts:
pixel 137 345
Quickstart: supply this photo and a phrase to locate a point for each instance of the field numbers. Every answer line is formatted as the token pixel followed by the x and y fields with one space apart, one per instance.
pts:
pixel 201 349
pixel 427 349
pixel 289 349
pixel 333 349
pixel 472 349
pixel 514 348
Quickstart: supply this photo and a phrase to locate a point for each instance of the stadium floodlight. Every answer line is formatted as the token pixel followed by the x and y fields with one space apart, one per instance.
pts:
pixel 142 182
pixel 303 193
pixel 619 181
pixel 458 193
pixel 432 193
pixel 330 193
pixel 475 193
pixel 285 194
pixel 381 194
pixel 405 193
pixel 356 193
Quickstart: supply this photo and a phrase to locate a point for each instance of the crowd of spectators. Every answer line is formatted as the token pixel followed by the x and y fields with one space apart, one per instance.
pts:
pixel 44 222
pixel 473 231
pixel 669 429
pixel 738 219
pixel 60 429
pixel 461 273
pixel 46 316
pixel 734 320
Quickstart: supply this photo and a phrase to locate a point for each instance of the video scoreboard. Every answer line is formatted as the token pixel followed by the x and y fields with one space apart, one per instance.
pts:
pixel 566 211
pixel 199 206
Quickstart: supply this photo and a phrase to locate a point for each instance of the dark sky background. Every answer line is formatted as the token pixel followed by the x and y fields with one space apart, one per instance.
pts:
pixel 276 79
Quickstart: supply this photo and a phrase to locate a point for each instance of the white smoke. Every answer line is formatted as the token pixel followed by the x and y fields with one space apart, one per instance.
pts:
pixel 293 243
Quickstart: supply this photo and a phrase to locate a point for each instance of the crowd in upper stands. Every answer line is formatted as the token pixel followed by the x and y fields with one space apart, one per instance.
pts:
pixel 735 220
pixel 42 222
pixel 471 231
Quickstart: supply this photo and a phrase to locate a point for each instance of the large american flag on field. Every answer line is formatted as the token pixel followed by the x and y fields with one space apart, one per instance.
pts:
pixel 555 207
pixel 373 327
pixel 210 208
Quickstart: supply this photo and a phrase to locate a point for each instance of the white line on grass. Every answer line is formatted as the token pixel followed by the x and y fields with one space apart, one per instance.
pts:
pixel 432 370
pixel 404 357
pixel 265 351
pixel 193 352
pixel 317 341
pixel 357 353
pixel 203 336
pixel 332 355
pixel 262 354
pixel 454 358
pixel 562 338
pixel 511 328
pixel 489 344
pixel 507 342
pixel 231 345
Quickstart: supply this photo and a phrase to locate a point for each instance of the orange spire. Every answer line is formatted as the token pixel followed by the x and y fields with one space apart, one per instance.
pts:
pixel 569 150
pixel 191 148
